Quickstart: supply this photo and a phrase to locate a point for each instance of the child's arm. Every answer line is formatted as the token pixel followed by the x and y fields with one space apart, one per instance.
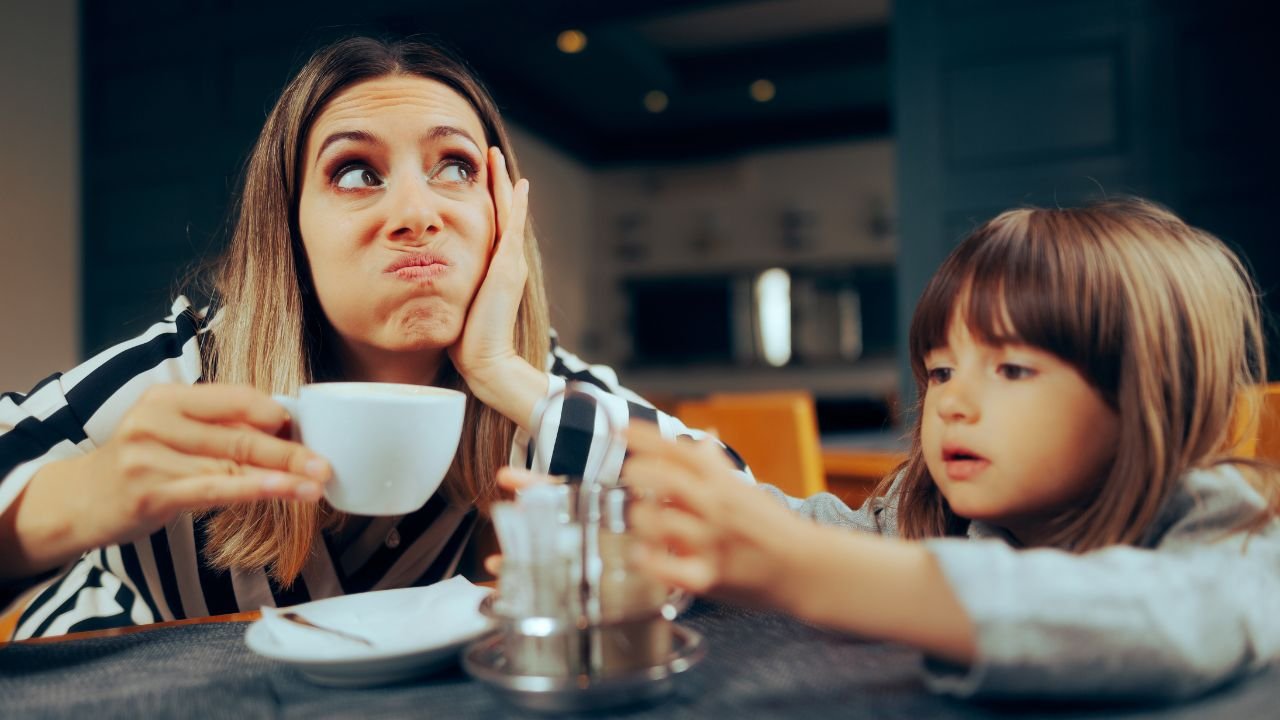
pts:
pixel 1173 621
pixel 743 546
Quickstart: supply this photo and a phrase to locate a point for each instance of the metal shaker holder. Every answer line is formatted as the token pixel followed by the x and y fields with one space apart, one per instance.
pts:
pixel 582 630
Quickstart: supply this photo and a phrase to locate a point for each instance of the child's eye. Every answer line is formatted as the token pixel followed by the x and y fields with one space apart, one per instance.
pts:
pixel 939 375
pixel 356 177
pixel 1009 371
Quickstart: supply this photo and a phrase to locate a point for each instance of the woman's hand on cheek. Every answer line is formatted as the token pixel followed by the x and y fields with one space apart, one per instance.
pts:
pixel 488 338
pixel 485 355
pixel 703 529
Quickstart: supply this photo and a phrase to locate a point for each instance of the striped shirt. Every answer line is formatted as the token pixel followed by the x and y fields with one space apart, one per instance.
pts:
pixel 165 576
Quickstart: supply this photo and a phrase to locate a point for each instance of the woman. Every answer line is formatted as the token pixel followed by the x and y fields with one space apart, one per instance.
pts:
pixel 379 238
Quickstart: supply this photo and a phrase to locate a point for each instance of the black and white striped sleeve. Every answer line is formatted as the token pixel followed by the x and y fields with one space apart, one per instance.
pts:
pixel 572 432
pixel 71 413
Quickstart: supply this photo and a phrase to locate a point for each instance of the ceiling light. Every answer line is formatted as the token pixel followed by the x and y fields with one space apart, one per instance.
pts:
pixel 571 41
pixel 655 101
pixel 762 90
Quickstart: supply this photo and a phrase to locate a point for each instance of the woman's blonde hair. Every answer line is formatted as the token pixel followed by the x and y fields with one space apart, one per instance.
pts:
pixel 1160 317
pixel 270 331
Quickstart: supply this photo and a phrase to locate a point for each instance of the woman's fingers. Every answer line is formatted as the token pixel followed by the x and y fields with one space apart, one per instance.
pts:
pixel 243 447
pixel 493 565
pixel 515 479
pixel 210 491
pixel 500 188
pixel 216 404
pixel 508 256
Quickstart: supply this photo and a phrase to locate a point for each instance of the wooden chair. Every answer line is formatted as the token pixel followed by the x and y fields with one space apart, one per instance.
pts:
pixel 7 625
pixel 1255 425
pixel 775 432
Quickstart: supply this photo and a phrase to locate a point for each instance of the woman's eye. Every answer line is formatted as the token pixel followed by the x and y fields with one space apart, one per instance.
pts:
pixel 1015 372
pixel 455 171
pixel 357 177
pixel 939 375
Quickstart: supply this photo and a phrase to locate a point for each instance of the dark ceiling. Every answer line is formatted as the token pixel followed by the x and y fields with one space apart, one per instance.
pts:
pixel 827 60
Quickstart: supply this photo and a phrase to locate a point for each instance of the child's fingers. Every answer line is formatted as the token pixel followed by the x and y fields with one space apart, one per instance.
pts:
pixel 705 458
pixel 691 573
pixel 685 533
pixel 643 438
pixel 713 459
pixel 663 481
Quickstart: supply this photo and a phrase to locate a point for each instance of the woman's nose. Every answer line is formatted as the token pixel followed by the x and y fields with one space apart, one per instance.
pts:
pixel 413 210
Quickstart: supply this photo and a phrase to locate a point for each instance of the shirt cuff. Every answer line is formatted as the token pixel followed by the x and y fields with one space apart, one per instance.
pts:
pixel 977 574
pixel 523 438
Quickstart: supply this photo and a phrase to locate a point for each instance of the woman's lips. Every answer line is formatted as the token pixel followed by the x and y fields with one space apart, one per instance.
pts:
pixel 417 266
pixel 419 272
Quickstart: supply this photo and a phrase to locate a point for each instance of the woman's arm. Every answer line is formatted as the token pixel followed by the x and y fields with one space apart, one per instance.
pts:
pixel 150 446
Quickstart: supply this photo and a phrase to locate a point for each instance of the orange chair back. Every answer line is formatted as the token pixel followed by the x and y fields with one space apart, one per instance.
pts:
pixel 775 432
pixel 9 623
pixel 1255 424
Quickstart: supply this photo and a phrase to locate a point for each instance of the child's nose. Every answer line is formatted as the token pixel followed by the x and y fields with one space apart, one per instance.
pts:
pixel 957 403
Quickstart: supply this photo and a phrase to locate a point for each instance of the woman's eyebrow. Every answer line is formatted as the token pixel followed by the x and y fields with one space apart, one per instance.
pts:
pixel 443 131
pixel 348 135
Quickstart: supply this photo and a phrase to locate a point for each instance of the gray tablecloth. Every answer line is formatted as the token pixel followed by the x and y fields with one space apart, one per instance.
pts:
pixel 759 666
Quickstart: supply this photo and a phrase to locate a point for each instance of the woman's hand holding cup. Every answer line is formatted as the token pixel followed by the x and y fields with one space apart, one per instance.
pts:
pixel 179 448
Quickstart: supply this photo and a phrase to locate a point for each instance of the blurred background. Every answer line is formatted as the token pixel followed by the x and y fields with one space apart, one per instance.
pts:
pixel 731 196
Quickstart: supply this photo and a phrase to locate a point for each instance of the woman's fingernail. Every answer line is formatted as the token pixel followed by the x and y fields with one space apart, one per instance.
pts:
pixel 274 482
pixel 308 491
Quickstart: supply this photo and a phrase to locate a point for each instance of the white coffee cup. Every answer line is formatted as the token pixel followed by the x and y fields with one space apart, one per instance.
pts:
pixel 390 445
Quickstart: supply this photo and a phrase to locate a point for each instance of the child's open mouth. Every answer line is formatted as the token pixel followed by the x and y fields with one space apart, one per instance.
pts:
pixel 963 463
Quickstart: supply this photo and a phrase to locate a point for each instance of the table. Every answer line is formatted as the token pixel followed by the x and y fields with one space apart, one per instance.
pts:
pixel 760 665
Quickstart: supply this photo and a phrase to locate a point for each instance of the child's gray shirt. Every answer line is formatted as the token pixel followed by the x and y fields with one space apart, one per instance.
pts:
pixel 1196 605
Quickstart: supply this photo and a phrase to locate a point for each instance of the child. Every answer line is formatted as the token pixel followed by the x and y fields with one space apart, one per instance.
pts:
pixel 1067 523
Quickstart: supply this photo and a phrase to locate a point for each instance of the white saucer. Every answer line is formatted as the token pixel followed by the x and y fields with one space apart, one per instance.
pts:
pixel 414 631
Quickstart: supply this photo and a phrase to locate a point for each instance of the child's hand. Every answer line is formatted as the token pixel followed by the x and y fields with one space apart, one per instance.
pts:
pixel 705 531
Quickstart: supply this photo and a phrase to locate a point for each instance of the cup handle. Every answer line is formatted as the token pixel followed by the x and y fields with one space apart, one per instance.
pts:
pixel 290 404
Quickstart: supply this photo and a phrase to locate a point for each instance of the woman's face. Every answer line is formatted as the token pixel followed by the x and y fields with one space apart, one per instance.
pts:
pixel 396 216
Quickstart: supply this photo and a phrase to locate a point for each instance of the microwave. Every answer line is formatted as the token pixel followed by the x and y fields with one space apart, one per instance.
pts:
pixel 773 317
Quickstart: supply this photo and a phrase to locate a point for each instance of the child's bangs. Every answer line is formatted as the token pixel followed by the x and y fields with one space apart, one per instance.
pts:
pixel 1013 282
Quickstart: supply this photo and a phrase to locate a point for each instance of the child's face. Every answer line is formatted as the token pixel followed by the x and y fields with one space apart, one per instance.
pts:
pixel 1011 434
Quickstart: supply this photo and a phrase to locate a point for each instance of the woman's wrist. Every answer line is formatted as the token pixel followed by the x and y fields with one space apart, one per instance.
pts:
pixel 513 388
pixel 43 529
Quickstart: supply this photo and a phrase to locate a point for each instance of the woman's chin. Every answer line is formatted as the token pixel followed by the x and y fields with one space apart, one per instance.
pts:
pixel 423 332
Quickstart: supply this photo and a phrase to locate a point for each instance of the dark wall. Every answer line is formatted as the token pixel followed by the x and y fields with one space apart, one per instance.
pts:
pixel 174 95
pixel 1001 103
